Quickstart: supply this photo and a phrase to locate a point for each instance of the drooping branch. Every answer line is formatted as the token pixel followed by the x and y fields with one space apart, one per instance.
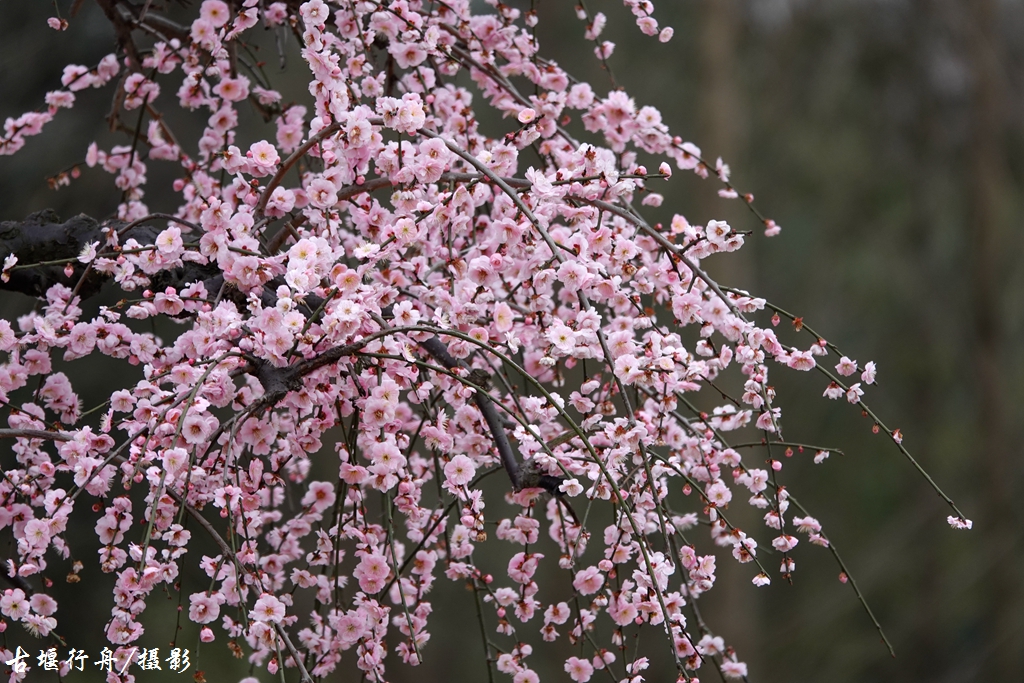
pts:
pixel 522 475
pixel 278 381
pixel 436 348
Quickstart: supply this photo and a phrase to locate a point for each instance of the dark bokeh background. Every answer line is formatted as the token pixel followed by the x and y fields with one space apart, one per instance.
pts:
pixel 886 139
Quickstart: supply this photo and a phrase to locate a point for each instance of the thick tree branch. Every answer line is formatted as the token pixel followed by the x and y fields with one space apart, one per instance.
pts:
pixel 46 246
pixel 43 238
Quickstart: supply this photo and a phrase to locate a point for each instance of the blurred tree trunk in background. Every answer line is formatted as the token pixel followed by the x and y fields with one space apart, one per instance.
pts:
pixel 722 119
pixel 988 203
pixel 919 659
pixel 722 128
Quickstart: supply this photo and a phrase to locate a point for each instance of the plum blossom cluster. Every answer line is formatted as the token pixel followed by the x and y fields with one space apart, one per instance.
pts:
pixel 379 305
pixel 76 77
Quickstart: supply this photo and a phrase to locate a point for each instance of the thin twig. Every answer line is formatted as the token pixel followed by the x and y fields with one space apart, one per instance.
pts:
pixel 35 434
pixel 853 584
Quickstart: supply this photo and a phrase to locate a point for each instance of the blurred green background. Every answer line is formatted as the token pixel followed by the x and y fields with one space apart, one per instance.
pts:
pixel 885 137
